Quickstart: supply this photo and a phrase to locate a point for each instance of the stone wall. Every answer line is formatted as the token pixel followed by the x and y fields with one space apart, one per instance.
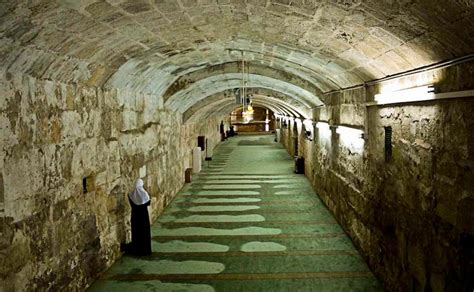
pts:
pixel 209 129
pixel 412 216
pixel 69 155
pixel 251 127
pixel 286 138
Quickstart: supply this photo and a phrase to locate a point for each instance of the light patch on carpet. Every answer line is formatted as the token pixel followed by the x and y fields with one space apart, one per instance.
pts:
pixel 153 285
pixel 230 187
pixel 166 218
pixel 236 200
pixel 130 264
pixel 231 176
pixel 234 181
pixel 202 231
pixel 222 218
pixel 258 246
pixel 223 193
pixel 222 208
pixel 183 246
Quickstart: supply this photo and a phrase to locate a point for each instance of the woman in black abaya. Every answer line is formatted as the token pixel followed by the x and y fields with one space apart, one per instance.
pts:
pixel 141 235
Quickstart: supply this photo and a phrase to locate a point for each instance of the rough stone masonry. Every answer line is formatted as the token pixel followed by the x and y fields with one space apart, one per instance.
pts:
pixel 56 234
pixel 94 93
pixel 411 216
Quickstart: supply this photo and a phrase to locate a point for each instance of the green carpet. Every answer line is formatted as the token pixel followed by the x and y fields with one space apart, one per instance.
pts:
pixel 245 223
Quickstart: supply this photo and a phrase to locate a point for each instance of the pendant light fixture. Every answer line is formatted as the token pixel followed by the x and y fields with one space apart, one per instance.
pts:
pixel 247 109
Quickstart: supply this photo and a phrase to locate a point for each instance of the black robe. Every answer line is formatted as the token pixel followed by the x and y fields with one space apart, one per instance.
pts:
pixel 141 234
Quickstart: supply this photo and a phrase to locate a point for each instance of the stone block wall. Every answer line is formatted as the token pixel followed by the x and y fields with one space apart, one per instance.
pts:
pixel 412 216
pixel 251 127
pixel 209 129
pixel 288 136
pixel 69 155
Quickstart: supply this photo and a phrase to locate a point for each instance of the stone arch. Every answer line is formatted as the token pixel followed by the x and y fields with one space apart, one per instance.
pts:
pixel 287 105
pixel 183 100
pixel 221 107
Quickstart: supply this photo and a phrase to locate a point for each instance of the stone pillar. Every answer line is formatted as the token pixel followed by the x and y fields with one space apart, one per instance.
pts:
pixel 197 160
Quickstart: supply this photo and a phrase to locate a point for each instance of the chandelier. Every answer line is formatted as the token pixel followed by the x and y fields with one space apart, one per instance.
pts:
pixel 243 97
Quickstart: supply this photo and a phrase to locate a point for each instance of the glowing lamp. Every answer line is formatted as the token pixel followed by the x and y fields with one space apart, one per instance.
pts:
pixel 308 129
pixel 250 109
pixel 322 126
pixel 350 132
pixel 308 123
pixel 406 95
pixel 324 130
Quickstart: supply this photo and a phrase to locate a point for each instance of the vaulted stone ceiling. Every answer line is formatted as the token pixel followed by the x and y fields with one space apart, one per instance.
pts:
pixel 272 100
pixel 187 50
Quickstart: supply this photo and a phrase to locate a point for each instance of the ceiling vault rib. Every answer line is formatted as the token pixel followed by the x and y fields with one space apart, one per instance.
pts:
pixel 436 66
pixel 316 47
pixel 287 61
pixel 439 65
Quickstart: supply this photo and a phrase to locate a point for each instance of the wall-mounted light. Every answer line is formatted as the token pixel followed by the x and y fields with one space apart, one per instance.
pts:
pixel 352 138
pixel 350 132
pixel 417 94
pixel 267 126
pixel 322 126
pixel 308 123
pixel 324 130
pixel 421 93
pixel 308 129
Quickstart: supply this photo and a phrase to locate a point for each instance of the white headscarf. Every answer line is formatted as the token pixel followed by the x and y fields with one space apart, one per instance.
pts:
pixel 139 196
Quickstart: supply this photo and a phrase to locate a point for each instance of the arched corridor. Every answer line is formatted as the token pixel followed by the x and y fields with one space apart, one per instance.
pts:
pixel 373 97
pixel 246 223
